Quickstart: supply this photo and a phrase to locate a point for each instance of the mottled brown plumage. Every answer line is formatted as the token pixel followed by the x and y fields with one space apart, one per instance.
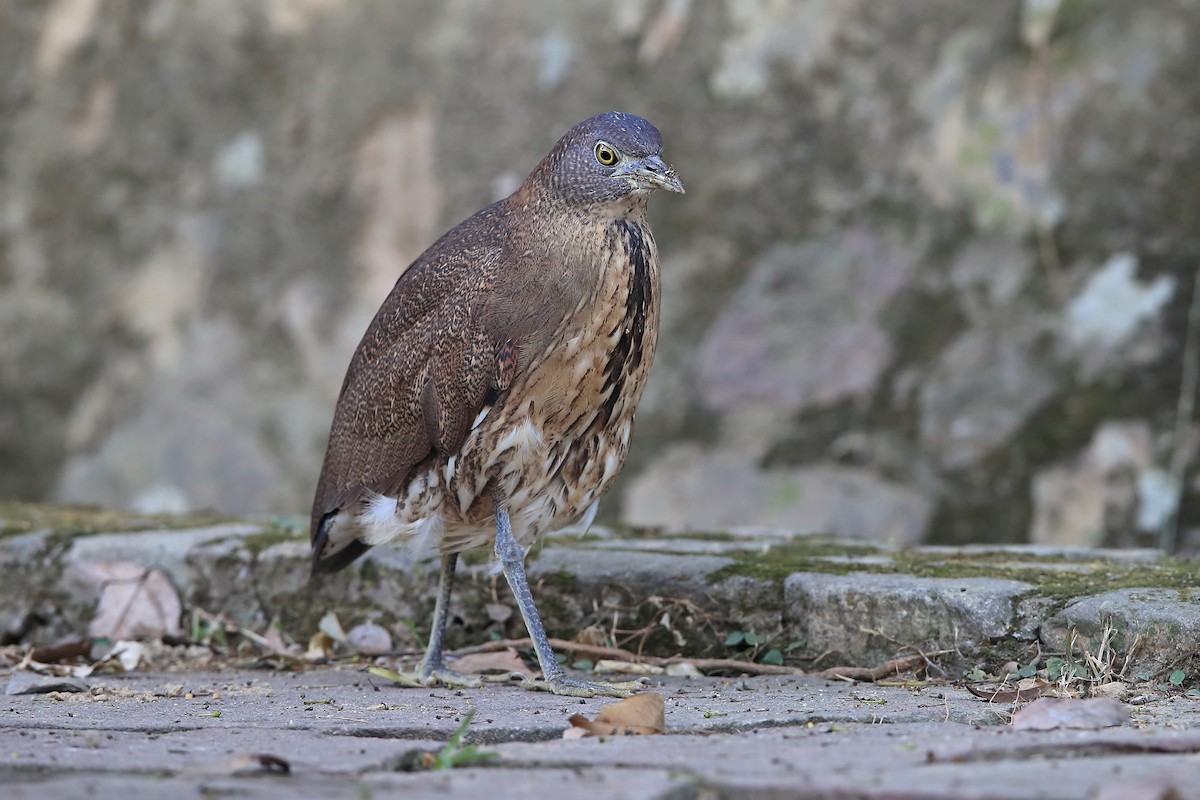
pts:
pixel 499 379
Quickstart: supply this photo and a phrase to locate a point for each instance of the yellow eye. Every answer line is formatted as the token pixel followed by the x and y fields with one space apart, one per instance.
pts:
pixel 605 154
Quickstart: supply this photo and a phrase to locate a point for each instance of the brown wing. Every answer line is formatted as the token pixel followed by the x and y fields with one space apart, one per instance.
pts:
pixel 419 377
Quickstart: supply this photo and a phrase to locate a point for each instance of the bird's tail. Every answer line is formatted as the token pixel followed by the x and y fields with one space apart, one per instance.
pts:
pixel 331 552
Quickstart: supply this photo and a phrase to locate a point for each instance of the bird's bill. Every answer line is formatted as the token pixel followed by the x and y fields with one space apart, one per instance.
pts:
pixel 650 173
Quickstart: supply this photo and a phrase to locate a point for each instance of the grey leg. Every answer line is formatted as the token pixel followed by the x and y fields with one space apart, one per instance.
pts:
pixel 441 613
pixel 554 679
pixel 433 670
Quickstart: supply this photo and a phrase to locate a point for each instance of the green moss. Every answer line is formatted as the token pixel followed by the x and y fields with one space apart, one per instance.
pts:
pixel 276 532
pixel 563 581
pixel 1083 578
pixel 17 518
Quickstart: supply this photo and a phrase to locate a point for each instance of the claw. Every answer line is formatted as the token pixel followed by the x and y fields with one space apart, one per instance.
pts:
pixel 566 686
pixel 450 679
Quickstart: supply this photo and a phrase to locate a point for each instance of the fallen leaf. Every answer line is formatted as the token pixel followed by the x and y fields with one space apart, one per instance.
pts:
pixel 23 682
pixel 59 670
pixel 1047 713
pixel 62 650
pixel 332 627
pixel 393 676
pixel 133 602
pixel 1000 695
pixel 499 661
pixel 274 640
pixel 320 647
pixel 640 715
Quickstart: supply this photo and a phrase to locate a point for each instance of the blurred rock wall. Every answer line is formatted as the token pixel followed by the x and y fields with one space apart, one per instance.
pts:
pixel 930 280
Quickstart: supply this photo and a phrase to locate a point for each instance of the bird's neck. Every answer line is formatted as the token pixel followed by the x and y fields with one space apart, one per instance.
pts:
pixel 565 263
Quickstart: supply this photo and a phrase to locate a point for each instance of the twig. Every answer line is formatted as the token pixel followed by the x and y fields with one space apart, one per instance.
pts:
pixel 751 667
pixel 619 654
pixel 864 674
pixel 871 674
pixel 595 650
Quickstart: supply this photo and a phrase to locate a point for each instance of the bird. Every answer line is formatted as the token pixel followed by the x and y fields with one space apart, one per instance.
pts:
pixel 492 397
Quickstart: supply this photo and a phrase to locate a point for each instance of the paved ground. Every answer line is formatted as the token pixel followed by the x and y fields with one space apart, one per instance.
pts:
pixel 344 733
pixel 813 598
pixel 1132 616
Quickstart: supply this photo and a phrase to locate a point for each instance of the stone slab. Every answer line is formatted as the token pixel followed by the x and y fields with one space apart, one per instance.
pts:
pixel 166 549
pixel 867 618
pixel 460 784
pixel 1167 620
pixel 754 738
pixel 1132 555
pixel 351 702
pixel 611 582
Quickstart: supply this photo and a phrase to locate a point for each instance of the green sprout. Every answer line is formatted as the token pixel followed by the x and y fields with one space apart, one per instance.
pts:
pixel 456 754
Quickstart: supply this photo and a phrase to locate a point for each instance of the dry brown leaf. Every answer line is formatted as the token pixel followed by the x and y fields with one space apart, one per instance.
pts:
pixel 640 715
pixel 134 602
pixel 1048 713
pixel 320 647
pixel 502 661
pixel 394 676
pixel 274 639
pixel 65 649
pixel 1003 695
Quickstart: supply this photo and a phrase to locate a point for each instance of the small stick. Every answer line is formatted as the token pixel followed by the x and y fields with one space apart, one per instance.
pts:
pixel 619 654
pixel 866 674
pixel 871 674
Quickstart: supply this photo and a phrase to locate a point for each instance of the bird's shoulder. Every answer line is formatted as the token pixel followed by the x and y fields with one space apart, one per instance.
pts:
pixel 422 369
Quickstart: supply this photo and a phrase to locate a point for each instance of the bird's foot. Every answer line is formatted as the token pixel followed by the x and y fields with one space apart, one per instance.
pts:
pixel 564 685
pixel 447 678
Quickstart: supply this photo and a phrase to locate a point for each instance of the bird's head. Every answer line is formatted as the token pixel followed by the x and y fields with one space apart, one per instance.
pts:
pixel 608 158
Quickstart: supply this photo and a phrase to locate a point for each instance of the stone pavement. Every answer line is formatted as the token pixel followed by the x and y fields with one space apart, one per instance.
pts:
pixel 817 602
pixel 815 599
pixel 344 733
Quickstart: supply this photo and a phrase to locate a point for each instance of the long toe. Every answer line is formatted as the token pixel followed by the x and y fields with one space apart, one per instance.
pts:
pixel 567 686
pixel 448 678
